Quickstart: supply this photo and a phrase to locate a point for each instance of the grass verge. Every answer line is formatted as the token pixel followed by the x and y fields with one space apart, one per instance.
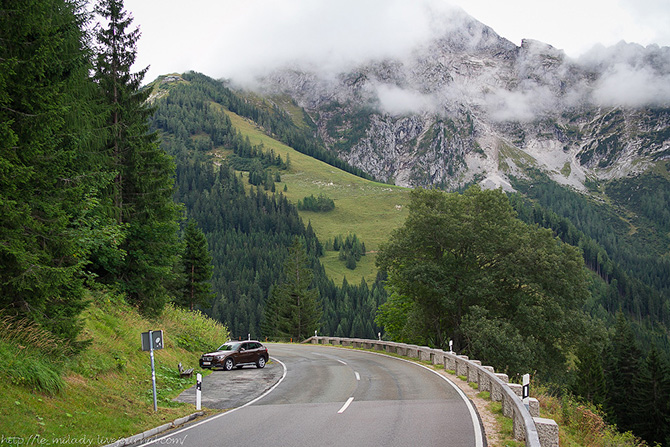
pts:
pixel 105 392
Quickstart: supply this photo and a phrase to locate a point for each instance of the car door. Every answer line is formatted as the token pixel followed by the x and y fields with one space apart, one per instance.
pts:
pixel 255 351
pixel 245 353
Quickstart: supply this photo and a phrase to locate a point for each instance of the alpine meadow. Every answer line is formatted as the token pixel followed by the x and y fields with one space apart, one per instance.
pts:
pixel 538 243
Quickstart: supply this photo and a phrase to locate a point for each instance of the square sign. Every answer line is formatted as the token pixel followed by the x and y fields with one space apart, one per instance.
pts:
pixel 155 341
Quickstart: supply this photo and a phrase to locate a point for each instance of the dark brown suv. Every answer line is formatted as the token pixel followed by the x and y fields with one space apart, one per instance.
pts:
pixel 236 354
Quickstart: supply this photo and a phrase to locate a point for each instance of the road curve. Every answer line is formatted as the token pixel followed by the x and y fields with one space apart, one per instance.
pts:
pixel 343 397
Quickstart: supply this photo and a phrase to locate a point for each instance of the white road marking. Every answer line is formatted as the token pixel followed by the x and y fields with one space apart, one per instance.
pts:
pixel 346 405
pixel 227 412
pixel 479 435
pixel 342 361
pixel 358 376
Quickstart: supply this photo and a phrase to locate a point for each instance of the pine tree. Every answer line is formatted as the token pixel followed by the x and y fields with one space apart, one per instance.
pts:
pixel 590 377
pixel 297 307
pixel 48 179
pixel 197 265
pixel 141 198
pixel 651 403
pixel 622 366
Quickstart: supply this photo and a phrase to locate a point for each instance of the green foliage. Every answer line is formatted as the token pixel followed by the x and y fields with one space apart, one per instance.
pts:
pixel 272 119
pixel 31 356
pixel 294 309
pixel 50 174
pixel 350 249
pixel 141 196
pixel 474 273
pixel 627 254
pixel 197 268
pixel 106 388
pixel 197 332
pixel 322 203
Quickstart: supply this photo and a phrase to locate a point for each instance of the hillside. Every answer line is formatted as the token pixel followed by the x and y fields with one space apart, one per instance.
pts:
pixel 103 393
pixel 362 206
pixel 369 209
pixel 242 187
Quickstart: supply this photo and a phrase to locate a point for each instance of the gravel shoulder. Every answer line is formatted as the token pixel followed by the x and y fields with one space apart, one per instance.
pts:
pixel 224 390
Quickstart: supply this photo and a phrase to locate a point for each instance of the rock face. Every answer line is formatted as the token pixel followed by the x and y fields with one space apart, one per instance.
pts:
pixel 470 106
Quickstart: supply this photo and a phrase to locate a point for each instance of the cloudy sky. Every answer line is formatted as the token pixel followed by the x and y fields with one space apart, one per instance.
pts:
pixel 237 38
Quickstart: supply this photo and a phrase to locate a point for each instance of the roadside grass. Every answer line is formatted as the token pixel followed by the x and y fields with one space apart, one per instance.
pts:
pixel 582 423
pixel 106 391
pixel 371 210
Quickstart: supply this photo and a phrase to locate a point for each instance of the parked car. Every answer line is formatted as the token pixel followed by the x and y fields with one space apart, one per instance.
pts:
pixel 236 354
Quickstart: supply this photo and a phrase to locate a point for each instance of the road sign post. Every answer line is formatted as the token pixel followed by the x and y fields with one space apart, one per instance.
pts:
pixel 152 340
pixel 198 391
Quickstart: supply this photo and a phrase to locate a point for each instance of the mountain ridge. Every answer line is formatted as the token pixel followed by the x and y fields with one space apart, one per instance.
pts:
pixel 447 113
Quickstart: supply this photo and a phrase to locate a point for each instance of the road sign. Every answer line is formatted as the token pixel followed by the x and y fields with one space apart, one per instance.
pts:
pixel 152 340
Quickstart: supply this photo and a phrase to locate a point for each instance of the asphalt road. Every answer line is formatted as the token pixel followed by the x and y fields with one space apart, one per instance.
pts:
pixel 331 397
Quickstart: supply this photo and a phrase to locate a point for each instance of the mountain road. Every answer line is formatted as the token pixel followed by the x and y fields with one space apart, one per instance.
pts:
pixel 329 396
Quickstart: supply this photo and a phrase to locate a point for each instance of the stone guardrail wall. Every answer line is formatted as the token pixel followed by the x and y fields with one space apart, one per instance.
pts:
pixel 528 426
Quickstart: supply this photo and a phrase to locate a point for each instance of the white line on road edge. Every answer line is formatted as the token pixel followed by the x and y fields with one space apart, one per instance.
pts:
pixel 346 405
pixel 479 436
pixel 227 412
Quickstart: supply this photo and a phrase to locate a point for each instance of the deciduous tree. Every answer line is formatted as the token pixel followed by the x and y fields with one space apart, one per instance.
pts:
pixel 471 269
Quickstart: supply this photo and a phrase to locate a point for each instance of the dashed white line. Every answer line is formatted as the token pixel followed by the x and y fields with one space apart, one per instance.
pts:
pixel 346 405
pixel 342 361
pixel 358 376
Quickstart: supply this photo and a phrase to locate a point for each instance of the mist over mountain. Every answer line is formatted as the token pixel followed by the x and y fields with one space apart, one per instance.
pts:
pixel 462 104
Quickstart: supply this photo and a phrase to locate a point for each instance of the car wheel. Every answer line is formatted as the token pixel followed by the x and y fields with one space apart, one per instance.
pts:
pixel 228 364
pixel 260 363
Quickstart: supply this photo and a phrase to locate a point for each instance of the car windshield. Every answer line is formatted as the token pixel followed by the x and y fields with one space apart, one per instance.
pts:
pixel 229 347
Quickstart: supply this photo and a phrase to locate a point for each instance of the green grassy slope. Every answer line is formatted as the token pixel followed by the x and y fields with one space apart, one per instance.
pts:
pixel 369 209
pixel 105 392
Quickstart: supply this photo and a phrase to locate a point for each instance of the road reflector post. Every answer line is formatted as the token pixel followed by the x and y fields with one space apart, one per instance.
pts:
pixel 152 340
pixel 525 391
pixel 198 391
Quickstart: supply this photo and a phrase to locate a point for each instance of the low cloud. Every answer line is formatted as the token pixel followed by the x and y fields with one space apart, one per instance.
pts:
pixel 623 85
pixel 396 101
pixel 631 75
pixel 524 106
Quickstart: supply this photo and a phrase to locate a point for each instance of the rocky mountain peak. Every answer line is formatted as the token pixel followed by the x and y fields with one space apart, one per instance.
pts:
pixel 470 106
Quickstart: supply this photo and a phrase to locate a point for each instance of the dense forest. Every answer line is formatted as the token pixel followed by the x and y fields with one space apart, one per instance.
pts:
pixel 86 193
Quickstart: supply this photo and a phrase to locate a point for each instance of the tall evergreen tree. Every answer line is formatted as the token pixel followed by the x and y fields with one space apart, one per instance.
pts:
pixel 295 307
pixel 197 265
pixel 141 198
pixel 48 176
pixel 622 366
pixel 652 399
